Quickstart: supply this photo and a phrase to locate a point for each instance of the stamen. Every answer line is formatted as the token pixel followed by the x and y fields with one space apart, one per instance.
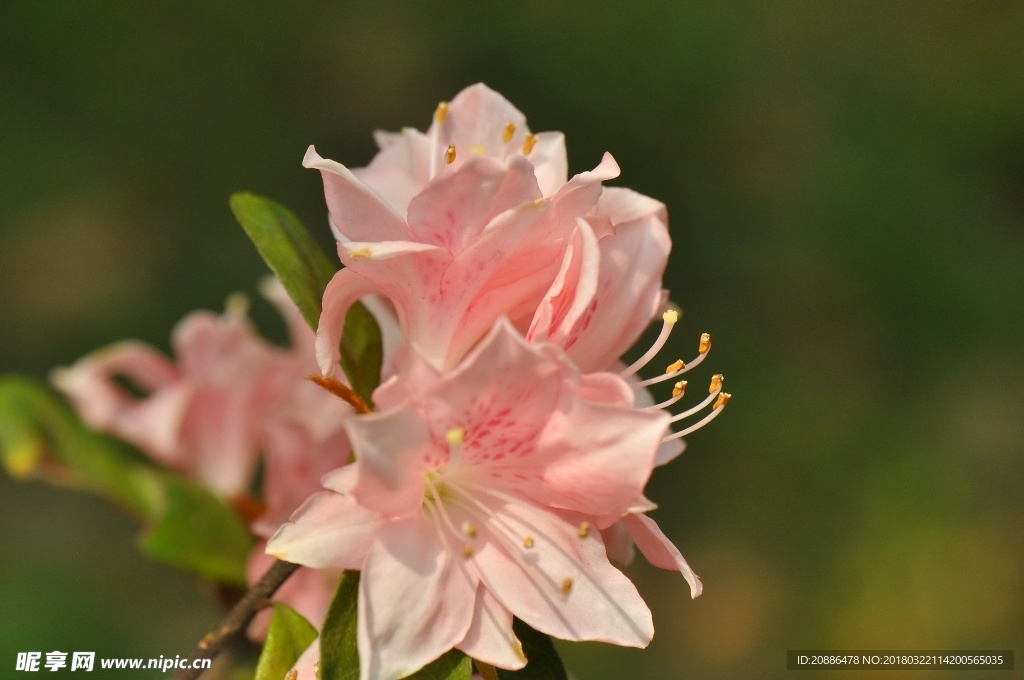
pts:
pixel 566 585
pixel 510 129
pixel 435 137
pixel 528 542
pixel 469 529
pixel 678 367
pixel 360 253
pixel 468 551
pixel 449 154
pixel 454 437
pixel 707 400
pixel 528 143
pixel 716 382
pixel 678 390
pixel 669 320
pixel 584 529
pixel 705 343
pixel 719 407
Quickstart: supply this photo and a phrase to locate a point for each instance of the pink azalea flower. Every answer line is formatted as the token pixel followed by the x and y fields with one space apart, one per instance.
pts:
pixel 202 414
pixel 228 396
pixel 474 220
pixel 482 494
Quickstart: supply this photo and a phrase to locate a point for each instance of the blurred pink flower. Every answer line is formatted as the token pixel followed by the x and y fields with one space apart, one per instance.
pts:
pixel 481 494
pixel 228 396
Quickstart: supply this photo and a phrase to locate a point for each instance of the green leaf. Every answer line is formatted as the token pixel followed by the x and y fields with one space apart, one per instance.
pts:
pixel 287 638
pixel 362 351
pixel 453 665
pixel 195 530
pixel 339 651
pixel 304 270
pixel 41 437
pixel 288 249
pixel 543 660
pixel 185 525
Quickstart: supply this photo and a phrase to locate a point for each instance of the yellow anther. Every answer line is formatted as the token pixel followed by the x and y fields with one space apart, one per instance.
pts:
pixel 566 586
pixel 454 436
pixel 716 382
pixel 469 529
pixel 531 139
pixel 468 551
pixel 722 400
pixel 705 343
pixel 510 129
pixel 670 316
pixel 679 388
pixel 477 149
pixel 441 113
pixel 676 365
pixel 583 530
pixel 528 542
pixel 449 154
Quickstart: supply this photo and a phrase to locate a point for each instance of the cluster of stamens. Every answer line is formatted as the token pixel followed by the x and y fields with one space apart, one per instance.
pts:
pixel 716 398
pixel 445 491
pixel 449 153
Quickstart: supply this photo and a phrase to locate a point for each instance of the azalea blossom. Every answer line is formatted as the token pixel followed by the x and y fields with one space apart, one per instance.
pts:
pixel 481 494
pixel 227 397
pixel 475 219
pixel 202 413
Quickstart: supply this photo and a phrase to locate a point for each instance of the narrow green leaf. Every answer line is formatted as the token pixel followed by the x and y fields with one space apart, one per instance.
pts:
pixel 543 660
pixel 288 249
pixel 453 665
pixel 185 525
pixel 362 351
pixel 339 651
pixel 288 637
pixel 195 530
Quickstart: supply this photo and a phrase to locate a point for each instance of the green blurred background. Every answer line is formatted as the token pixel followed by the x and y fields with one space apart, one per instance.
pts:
pixel 845 183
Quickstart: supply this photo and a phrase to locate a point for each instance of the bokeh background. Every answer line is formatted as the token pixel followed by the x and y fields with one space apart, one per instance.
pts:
pixel 845 183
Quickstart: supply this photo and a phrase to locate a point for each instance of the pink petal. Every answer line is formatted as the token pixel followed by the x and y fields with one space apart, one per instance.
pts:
pixel 415 601
pixel 601 603
pixel 580 194
pixel 393 450
pixel 628 295
pixel 596 458
pixel 476 122
pixel 356 210
pixel 490 638
pixel 328 531
pixel 660 551
pixel 501 396
pixel 571 293
pixel 294 462
pixel 550 162
pixel 400 170
pixel 152 422
pixel 454 208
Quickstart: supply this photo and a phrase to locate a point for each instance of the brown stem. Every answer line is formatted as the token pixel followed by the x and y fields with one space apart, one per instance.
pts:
pixel 239 617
